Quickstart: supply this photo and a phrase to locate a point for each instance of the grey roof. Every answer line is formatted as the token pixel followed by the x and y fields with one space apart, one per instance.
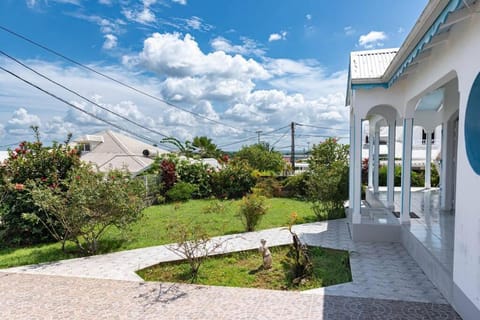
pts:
pixel 118 151
pixel 370 64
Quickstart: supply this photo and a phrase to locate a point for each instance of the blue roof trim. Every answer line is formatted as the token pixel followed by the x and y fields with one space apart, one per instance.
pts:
pixel 427 37
pixel 369 85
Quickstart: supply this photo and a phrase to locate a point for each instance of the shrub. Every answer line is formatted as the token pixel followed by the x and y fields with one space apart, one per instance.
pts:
pixel 168 174
pixel 417 176
pixel 196 173
pixel 268 187
pixel 181 191
pixel 296 186
pixel 252 209
pixel 31 161
pixel 234 181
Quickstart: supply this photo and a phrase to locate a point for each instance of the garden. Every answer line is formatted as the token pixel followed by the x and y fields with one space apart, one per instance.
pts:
pixel 54 206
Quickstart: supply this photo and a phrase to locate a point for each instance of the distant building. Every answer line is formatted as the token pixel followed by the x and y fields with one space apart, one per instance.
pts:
pixel 109 150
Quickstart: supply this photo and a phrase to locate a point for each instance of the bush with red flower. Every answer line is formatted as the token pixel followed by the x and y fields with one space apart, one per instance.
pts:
pixel 30 161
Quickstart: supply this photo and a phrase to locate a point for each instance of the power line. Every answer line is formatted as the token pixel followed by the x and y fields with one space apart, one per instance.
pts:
pixel 81 96
pixel 278 140
pixel 77 108
pixel 326 128
pixel 58 54
pixel 10 145
pixel 237 142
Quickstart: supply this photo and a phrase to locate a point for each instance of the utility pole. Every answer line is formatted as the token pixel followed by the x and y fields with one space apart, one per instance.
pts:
pixel 292 156
pixel 258 133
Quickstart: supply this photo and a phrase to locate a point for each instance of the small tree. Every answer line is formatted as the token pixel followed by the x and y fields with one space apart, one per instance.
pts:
pixel 328 180
pixel 262 157
pixel 192 244
pixel 252 209
pixel 86 204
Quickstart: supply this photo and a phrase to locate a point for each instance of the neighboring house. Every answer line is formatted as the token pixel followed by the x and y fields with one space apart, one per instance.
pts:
pixel 431 81
pixel 3 156
pixel 109 150
pixel 419 145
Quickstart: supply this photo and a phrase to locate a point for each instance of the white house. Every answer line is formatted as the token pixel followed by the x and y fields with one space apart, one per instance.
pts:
pixel 109 150
pixel 431 82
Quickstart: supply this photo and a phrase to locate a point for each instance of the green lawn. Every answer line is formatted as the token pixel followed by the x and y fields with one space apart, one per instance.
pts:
pixel 150 230
pixel 243 269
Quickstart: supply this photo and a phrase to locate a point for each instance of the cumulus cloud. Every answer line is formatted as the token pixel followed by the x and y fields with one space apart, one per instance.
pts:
pixel 372 39
pixel 170 54
pixel 182 2
pixel 21 121
pixel 308 16
pixel 277 36
pixel 248 46
pixel 110 42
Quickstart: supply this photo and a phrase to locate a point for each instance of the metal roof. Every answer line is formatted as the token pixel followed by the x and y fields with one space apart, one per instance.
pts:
pixel 370 64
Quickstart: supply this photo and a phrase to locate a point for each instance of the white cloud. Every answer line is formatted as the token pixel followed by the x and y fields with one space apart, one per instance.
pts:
pixel 349 30
pixel 31 3
pixel 308 16
pixel 247 47
pixel 400 30
pixel 277 36
pixel 280 67
pixel 110 42
pixel 21 121
pixel 36 3
pixel 142 14
pixel 170 54
pixel 182 2
pixel 107 26
pixel 372 39
pixel 106 2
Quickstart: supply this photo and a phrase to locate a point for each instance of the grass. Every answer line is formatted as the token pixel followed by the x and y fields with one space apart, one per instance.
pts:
pixel 151 229
pixel 243 269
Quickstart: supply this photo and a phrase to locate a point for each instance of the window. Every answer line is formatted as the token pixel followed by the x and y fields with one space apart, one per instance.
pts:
pixel 424 137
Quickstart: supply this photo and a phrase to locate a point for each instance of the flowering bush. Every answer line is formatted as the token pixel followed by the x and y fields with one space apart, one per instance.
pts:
pixel 30 161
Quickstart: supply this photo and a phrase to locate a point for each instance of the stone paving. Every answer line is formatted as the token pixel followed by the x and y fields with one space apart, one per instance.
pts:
pixel 387 284
pixel 27 296
pixel 379 270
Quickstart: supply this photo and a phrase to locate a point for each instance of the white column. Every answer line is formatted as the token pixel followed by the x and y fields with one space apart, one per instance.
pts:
pixel 371 144
pixel 357 172
pixel 352 152
pixel 428 160
pixel 376 155
pixel 391 165
pixel 406 169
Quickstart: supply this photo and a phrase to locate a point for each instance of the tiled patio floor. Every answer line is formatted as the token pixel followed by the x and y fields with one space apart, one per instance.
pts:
pixel 435 228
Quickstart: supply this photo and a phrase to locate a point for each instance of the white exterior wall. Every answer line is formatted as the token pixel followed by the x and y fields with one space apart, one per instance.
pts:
pixel 458 58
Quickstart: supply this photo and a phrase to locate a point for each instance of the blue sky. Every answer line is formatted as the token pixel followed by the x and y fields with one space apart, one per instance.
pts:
pixel 250 65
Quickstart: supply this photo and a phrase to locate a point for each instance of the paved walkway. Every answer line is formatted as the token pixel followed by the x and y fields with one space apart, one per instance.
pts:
pixel 379 270
pixel 387 284
pixel 25 296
